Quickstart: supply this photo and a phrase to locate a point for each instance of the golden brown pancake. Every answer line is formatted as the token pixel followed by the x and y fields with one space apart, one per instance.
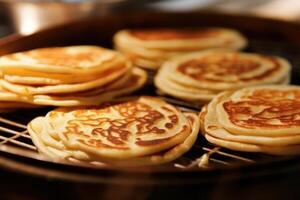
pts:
pixel 255 119
pixel 125 85
pixel 149 48
pixel 64 88
pixel 71 59
pixel 267 110
pixel 136 128
pixel 48 144
pixel 201 75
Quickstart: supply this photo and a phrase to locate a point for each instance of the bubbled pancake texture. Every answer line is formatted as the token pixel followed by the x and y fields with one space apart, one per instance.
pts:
pixel 149 48
pixel 199 76
pixel 255 119
pixel 141 132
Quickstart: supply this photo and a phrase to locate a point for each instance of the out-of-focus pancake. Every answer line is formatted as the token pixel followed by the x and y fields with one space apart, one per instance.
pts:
pixel 262 110
pixel 72 59
pixel 136 128
pixel 149 48
pixel 127 84
pixel 182 39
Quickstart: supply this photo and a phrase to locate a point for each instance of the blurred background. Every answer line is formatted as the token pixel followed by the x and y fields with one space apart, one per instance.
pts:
pixel 28 16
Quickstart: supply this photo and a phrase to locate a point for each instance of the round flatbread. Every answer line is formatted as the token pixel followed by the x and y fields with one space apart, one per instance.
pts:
pixel 71 59
pixel 199 76
pixel 223 70
pixel 181 39
pixel 125 85
pixel 150 48
pixel 212 127
pixel 64 88
pixel 254 119
pixel 29 77
pixel 136 128
pixel 48 143
pixel 262 110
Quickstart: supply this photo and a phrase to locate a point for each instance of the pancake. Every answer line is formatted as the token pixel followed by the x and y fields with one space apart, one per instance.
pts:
pixel 72 59
pixel 223 70
pixel 125 85
pixel 29 77
pixel 136 128
pixel 212 127
pixel 182 39
pixel 49 145
pixel 254 119
pixel 63 88
pixel 150 48
pixel 199 76
pixel 266 111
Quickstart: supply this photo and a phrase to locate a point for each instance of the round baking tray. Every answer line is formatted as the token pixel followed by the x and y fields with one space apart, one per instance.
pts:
pixel 265 35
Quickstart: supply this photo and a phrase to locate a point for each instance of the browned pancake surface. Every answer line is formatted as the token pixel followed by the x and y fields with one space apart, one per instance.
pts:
pixel 213 68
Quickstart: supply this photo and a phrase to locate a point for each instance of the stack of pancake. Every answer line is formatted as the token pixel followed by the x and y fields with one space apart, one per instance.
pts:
pixel 199 76
pixel 66 76
pixel 255 119
pixel 149 48
pixel 145 131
